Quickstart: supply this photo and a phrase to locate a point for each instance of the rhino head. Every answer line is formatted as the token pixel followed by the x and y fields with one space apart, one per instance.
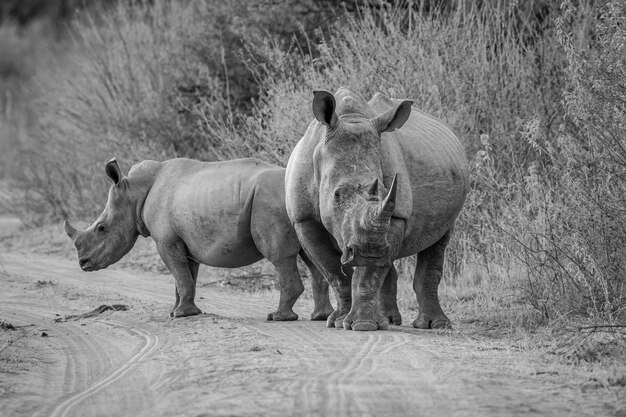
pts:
pixel 115 232
pixel 355 207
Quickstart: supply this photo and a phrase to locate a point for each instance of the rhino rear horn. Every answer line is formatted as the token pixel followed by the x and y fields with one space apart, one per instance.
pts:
pixel 373 190
pixel 387 206
pixel 69 229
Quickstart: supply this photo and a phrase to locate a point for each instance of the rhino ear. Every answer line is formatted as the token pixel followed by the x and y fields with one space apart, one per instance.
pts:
pixel 113 171
pixel 324 108
pixel 393 119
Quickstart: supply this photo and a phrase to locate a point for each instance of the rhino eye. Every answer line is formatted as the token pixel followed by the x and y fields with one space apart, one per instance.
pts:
pixel 100 228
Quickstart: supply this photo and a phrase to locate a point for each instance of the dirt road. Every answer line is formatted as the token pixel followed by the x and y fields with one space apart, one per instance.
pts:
pixel 231 362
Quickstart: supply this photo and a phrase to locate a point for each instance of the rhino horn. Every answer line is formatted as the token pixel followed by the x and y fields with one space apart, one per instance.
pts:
pixel 70 230
pixel 373 190
pixel 387 206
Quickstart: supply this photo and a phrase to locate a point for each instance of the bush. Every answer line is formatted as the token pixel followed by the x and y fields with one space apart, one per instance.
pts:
pixel 573 230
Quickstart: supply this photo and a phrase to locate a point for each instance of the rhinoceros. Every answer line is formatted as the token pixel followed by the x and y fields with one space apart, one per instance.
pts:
pixel 225 214
pixel 368 183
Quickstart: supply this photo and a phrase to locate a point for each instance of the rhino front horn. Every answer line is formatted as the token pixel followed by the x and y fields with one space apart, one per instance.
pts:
pixel 69 229
pixel 387 206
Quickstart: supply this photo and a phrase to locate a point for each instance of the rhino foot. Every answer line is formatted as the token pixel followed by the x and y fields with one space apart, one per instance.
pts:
pixel 425 321
pixel 394 317
pixel 365 324
pixel 282 316
pixel 320 315
pixel 335 320
pixel 185 310
pixel 368 325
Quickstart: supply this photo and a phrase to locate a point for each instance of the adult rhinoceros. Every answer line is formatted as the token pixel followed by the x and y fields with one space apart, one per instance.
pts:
pixel 368 183
pixel 226 214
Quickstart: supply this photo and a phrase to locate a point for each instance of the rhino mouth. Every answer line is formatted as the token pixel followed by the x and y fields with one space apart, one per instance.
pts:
pixel 88 265
pixel 354 256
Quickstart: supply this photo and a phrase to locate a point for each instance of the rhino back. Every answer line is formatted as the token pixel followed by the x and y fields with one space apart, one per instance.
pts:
pixel 208 205
pixel 433 174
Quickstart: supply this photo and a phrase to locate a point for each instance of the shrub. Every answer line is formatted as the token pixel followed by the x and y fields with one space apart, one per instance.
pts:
pixel 573 230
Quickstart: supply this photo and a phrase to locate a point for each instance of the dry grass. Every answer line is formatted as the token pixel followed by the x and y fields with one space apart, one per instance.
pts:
pixel 143 83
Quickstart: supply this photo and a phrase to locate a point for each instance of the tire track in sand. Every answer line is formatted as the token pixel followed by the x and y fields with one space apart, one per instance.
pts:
pixel 331 360
pixel 66 345
pixel 82 359
pixel 150 343
pixel 318 372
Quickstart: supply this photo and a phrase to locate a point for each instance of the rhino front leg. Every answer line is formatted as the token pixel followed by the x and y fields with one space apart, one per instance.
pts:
pixel 374 289
pixel 388 297
pixel 323 308
pixel 317 245
pixel 428 272
pixel 365 314
pixel 290 289
pixel 175 257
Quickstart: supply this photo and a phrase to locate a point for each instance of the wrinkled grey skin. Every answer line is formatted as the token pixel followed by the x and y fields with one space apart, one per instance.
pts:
pixel 225 214
pixel 368 183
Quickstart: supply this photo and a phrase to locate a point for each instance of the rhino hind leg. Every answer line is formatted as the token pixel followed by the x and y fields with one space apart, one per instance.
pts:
pixel 290 289
pixel 428 272
pixel 175 257
pixel 193 269
pixel 176 301
pixel 319 286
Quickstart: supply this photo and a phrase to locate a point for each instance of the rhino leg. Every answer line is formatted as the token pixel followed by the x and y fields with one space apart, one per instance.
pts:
pixel 290 289
pixel 366 314
pixel 428 272
pixel 174 256
pixel 193 269
pixel 388 297
pixel 318 247
pixel 323 308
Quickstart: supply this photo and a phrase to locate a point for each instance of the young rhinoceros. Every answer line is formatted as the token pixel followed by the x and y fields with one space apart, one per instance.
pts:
pixel 224 214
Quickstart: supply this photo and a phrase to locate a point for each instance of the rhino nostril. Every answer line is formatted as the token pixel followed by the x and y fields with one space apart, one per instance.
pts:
pixel 83 261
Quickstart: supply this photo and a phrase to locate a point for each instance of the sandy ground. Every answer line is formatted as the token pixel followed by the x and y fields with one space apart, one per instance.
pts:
pixel 229 361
